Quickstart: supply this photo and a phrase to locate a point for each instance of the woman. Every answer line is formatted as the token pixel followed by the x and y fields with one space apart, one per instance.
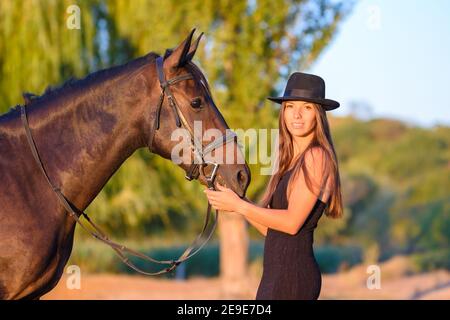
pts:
pixel 305 185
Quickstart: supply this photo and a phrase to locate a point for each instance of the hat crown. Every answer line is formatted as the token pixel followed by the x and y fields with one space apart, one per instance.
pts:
pixel 300 83
pixel 306 87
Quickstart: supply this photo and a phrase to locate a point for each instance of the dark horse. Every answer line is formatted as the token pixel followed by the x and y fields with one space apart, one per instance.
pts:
pixel 84 131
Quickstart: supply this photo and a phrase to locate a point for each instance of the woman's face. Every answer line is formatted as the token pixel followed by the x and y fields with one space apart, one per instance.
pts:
pixel 300 117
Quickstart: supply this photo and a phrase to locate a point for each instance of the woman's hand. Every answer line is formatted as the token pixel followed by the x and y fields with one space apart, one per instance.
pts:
pixel 224 199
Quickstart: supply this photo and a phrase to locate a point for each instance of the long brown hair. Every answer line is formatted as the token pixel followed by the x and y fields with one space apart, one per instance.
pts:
pixel 284 159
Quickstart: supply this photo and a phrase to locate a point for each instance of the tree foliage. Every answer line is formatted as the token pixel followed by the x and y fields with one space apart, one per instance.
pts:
pixel 394 177
pixel 249 47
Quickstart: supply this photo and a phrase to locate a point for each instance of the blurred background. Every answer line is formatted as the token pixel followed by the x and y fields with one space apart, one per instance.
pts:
pixel 387 62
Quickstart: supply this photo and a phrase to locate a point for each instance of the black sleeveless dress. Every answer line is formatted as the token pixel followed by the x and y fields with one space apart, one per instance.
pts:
pixel 290 271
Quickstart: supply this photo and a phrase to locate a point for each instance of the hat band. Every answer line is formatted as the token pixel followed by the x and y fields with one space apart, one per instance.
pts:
pixel 303 93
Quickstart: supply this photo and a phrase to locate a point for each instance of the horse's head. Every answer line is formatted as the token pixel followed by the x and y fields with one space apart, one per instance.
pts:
pixel 187 127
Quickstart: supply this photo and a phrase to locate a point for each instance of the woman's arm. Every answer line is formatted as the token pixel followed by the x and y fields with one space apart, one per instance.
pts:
pixel 266 218
pixel 301 201
pixel 262 229
pixel 262 218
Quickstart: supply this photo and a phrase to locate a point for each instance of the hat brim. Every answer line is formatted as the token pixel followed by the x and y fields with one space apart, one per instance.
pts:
pixel 327 104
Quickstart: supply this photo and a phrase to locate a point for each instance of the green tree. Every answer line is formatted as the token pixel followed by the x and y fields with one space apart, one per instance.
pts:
pixel 249 49
pixel 37 48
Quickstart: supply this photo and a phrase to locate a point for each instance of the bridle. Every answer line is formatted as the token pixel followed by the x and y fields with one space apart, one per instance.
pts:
pixel 197 166
pixel 195 170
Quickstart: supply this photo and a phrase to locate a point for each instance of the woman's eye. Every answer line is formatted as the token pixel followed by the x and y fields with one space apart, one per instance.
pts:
pixel 196 103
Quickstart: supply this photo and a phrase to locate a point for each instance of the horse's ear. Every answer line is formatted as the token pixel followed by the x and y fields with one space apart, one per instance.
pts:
pixel 179 55
pixel 193 49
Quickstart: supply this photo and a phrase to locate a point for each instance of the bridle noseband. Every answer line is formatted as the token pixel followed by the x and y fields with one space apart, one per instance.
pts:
pixel 195 170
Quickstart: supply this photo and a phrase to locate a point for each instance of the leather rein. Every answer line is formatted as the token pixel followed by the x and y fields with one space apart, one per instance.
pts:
pixel 196 169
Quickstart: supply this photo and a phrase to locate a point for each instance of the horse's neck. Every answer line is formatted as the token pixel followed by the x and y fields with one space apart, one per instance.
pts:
pixel 82 143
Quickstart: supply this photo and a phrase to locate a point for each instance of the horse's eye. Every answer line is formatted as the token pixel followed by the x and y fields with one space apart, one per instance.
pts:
pixel 196 103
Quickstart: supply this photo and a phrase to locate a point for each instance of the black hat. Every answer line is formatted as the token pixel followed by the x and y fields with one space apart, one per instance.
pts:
pixel 306 87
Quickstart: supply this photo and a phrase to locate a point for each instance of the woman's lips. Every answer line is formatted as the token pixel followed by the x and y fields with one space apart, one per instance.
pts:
pixel 297 125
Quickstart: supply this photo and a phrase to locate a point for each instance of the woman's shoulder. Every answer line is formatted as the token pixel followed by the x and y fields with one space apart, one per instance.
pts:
pixel 316 161
pixel 316 158
pixel 316 152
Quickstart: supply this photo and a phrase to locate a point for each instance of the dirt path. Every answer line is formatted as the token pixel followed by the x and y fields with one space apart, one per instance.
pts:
pixel 105 286
pixel 350 285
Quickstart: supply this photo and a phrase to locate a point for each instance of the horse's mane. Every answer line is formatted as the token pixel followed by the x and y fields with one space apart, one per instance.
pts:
pixel 71 86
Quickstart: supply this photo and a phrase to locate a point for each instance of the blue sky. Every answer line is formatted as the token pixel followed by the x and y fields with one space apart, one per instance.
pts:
pixel 393 56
